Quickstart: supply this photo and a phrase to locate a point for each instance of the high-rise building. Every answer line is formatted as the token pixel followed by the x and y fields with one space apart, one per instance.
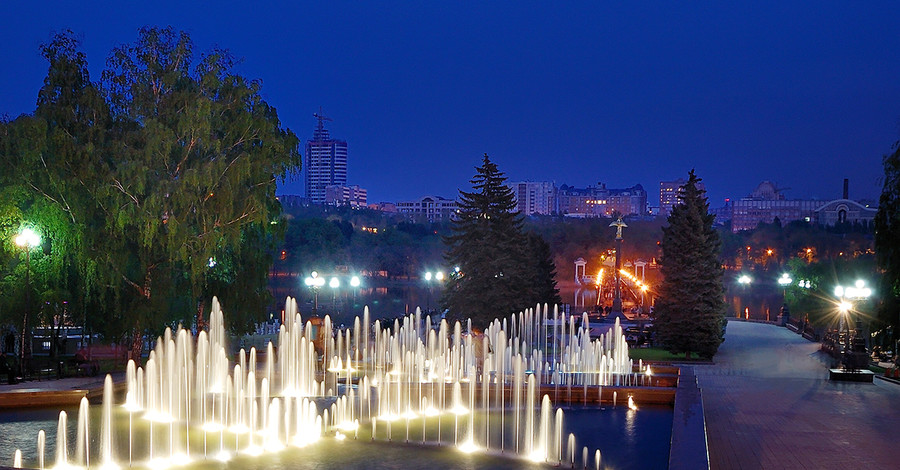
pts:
pixel 326 162
pixel 668 195
pixel 535 197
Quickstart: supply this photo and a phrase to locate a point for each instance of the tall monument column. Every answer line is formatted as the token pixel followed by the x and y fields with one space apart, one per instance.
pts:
pixel 617 299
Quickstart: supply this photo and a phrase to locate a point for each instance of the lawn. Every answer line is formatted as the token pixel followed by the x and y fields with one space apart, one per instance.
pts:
pixel 659 354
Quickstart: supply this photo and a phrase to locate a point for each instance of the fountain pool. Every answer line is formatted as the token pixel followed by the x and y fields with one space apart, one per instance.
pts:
pixel 431 392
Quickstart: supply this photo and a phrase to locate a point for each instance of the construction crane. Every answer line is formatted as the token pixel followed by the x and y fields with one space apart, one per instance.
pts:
pixel 321 117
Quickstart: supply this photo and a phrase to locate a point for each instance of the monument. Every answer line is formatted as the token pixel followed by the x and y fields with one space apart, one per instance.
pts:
pixel 617 296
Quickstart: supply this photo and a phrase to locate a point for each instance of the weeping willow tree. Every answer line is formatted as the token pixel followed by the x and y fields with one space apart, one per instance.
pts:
pixel 165 170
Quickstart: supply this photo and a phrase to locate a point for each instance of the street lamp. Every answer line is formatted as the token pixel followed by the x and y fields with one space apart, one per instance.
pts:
pixel 855 351
pixel 334 283
pixel 26 240
pixel 744 280
pixel 784 281
pixel 314 282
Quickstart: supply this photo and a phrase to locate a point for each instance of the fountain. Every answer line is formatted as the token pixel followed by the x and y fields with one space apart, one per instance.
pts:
pixel 409 383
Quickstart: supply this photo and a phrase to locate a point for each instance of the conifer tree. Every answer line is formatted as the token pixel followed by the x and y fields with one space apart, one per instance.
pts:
pixel 689 314
pixel 488 245
pixel 543 272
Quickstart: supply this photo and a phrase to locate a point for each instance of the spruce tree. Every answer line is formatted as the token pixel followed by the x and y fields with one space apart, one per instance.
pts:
pixel 689 314
pixel 543 272
pixel 488 246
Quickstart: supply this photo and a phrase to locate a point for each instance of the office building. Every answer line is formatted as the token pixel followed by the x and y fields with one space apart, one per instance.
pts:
pixel 326 162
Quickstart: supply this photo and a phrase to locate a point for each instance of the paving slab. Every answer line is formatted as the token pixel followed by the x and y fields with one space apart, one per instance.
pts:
pixel 769 405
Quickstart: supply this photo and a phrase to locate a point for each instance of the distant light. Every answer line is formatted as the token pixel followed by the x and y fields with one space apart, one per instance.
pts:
pixel 785 279
pixel 745 279
pixel 439 276
pixel 334 283
pixel 839 291
pixel 212 262
pixel 428 276
pixel 354 281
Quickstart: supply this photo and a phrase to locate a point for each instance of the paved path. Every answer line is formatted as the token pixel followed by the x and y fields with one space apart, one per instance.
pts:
pixel 769 405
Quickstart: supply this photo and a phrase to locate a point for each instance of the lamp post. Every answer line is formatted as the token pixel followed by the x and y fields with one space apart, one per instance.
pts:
pixel 784 281
pixel 855 354
pixel 26 240
pixel 314 282
pixel 334 283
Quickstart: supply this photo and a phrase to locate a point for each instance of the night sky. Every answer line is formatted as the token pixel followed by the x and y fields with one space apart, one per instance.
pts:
pixel 800 93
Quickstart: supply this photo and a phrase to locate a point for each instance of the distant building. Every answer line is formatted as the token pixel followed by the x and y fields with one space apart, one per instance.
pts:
pixel 767 202
pixel 290 200
pixel 326 162
pixel 628 201
pixel 353 196
pixel 430 208
pixel 841 211
pixel 535 197
pixel 668 195
pixel 601 201
pixel 386 207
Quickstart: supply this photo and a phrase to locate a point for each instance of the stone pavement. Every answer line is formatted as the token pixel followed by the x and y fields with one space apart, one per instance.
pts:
pixel 769 405
pixel 56 392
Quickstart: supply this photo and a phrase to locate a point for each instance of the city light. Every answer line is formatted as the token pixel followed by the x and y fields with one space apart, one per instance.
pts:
pixel 334 283
pixel 428 276
pixel 744 279
pixel 439 276
pixel 354 281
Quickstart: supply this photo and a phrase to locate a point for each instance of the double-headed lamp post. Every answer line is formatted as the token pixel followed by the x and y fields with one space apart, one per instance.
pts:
pixel 26 240
pixel 858 291
pixel 784 281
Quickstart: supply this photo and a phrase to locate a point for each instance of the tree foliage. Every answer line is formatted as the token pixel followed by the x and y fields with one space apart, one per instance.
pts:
pixel 157 183
pixel 499 273
pixel 689 314
pixel 887 240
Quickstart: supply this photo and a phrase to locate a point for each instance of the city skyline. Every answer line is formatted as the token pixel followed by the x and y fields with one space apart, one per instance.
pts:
pixel 578 93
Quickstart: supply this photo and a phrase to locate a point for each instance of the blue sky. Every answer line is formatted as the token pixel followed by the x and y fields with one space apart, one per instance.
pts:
pixel 801 93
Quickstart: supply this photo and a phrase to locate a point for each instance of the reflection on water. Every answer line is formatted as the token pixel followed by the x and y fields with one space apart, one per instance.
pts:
pixel 628 440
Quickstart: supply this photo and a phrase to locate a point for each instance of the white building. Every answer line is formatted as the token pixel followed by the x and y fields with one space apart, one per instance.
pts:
pixel 535 197
pixel 430 208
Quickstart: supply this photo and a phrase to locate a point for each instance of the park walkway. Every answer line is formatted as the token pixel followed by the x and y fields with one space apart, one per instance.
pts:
pixel 769 405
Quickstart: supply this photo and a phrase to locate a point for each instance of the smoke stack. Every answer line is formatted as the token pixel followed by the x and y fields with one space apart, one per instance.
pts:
pixel 846 188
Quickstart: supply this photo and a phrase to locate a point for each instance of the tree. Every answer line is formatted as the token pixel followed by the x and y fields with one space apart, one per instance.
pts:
pixel 887 241
pixel 165 173
pixel 542 271
pixel 689 315
pixel 497 274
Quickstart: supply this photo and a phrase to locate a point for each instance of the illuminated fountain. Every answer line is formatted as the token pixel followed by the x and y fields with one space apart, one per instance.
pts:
pixel 189 402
